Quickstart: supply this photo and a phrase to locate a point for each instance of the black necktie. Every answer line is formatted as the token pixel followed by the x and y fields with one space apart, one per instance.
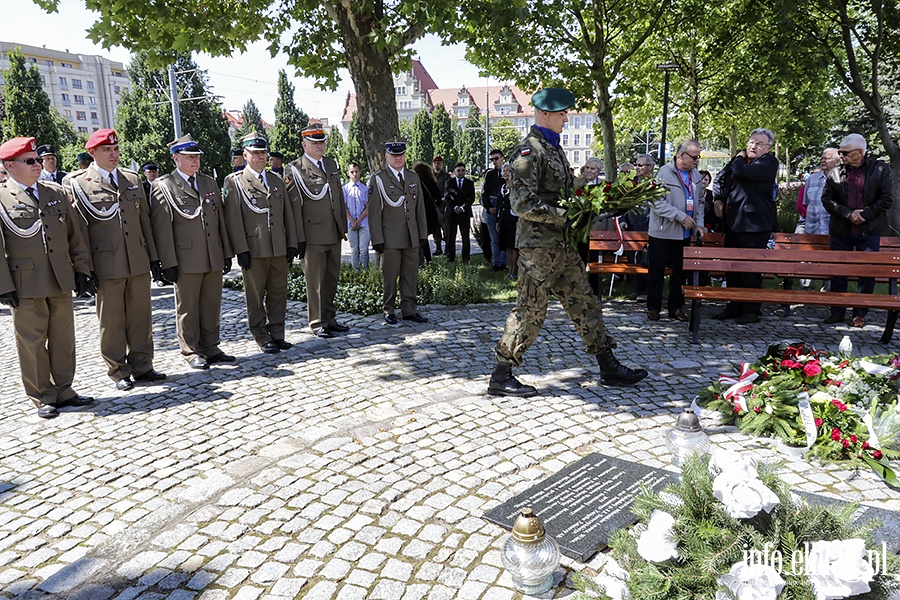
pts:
pixel 459 183
pixel 320 165
pixel 112 180
pixel 400 178
pixel 31 193
pixel 193 183
pixel 262 180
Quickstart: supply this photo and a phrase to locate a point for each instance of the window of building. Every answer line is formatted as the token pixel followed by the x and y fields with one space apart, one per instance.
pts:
pixel 587 139
pixel 576 122
pixel 521 122
pixel 565 139
pixel 400 90
pixel 464 101
pixel 577 154
pixel 117 89
pixel 67 113
pixel 76 83
pixel 66 65
pixel 566 125
pixel 43 80
pixel 94 117
pixel 504 110
pixel 589 121
pixel 577 137
pixel 64 83
pixel 32 60
pixel 82 130
pixel 65 100
pixel 49 63
pixel 80 116
pixel 92 101
pixel 90 86
pixel 79 99
pixel 94 128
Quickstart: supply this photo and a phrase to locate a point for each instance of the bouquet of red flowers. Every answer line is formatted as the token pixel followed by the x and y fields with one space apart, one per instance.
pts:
pixel 609 199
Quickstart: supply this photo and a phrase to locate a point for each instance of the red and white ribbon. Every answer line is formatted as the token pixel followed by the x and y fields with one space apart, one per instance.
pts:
pixel 738 386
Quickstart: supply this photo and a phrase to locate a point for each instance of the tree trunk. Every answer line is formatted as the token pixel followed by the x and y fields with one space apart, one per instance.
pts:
pixel 732 140
pixel 607 129
pixel 373 82
pixel 893 152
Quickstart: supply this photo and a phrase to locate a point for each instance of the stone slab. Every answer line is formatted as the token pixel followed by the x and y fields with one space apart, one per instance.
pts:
pixel 582 504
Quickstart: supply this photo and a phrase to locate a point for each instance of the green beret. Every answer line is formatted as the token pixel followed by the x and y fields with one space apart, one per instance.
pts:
pixel 553 99
pixel 254 141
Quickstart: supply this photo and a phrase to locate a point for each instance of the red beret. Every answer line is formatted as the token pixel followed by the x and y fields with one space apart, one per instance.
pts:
pixel 17 146
pixel 102 137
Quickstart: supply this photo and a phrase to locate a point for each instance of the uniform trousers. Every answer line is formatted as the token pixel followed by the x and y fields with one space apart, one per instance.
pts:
pixel 126 325
pixel 557 271
pixel 265 291
pixel 402 263
pixel 198 302
pixel 45 341
pixel 322 267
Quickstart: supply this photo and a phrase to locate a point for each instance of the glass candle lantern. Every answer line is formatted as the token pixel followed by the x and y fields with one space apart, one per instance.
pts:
pixel 686 438
pixel 530 555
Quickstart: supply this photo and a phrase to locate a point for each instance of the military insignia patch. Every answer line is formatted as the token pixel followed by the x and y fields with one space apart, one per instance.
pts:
pixel 526 151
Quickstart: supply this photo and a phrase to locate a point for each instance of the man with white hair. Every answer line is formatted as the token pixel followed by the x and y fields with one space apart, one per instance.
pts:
pixel 817 217
pixel 858 197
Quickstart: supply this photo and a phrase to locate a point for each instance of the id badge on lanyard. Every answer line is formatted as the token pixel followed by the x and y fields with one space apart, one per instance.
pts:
pixel 688 192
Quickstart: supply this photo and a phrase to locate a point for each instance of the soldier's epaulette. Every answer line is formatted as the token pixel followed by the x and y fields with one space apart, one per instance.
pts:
pixel 53 185
pixel 164 177
pixel 76 173
pixel 204 176
pixel 128 171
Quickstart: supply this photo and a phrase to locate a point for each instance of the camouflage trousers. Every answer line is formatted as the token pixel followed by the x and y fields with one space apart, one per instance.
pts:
pixel 557 271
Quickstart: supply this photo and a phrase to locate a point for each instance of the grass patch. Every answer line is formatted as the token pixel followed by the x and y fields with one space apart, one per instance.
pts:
pixel 450 284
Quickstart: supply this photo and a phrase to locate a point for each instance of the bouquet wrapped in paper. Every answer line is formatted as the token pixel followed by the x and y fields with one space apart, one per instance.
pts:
pixel 609 199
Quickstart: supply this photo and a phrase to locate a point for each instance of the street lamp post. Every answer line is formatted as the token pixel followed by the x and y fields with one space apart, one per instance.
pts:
pixel 668 68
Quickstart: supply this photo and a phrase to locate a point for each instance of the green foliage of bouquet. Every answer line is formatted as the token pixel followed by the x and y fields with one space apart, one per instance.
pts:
pixel 853 402
pixel 732 530
pixel 610 199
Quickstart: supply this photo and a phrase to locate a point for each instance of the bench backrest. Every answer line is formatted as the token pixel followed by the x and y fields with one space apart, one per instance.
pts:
pixel 794 263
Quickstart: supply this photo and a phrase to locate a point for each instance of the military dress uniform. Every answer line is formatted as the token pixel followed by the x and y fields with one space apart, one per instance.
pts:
pixel 397 220
pixel 190 235
pixel 260 222
pixel 539 172
pixel 42 248
pixel 117 228
pixel 317 199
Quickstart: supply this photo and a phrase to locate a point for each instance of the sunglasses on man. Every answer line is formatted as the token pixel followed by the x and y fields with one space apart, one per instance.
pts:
pixel 29 161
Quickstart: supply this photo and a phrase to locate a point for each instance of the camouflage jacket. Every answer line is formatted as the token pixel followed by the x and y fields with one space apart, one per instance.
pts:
pixel 538 174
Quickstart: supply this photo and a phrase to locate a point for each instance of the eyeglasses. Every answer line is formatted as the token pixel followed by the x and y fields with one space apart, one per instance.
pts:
pixel 847 152
pixel 760 144
pixel 496 158
pixel 28 161
pixel 639 165
pixel 696 158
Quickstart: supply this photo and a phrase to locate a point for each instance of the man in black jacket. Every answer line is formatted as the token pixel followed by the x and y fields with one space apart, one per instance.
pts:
pixel 459 195
pixel 490 201
pixel 744 194
pixel 857 195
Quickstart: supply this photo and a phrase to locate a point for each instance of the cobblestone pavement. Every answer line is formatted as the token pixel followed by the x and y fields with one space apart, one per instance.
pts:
pixel 358 467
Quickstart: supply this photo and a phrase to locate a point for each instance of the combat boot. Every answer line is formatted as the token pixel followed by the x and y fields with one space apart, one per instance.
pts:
pixel 504 384
pixel 612 372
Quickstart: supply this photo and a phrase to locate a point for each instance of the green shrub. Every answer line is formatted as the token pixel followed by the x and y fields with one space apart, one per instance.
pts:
pixel 786 199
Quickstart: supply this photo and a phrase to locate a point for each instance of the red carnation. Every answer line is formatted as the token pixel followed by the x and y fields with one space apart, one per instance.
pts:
pixel 877 455
pixel 854 439
pixel 579 192
pixel 865 444
pixel 757 409
pixel 819 422
pixel 845 444
pixel 835 434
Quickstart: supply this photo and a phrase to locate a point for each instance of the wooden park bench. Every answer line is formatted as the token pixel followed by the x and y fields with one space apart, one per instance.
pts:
pixel 799 263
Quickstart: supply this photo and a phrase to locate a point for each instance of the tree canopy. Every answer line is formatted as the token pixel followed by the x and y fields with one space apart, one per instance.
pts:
pixel 27 106
pixel 290 121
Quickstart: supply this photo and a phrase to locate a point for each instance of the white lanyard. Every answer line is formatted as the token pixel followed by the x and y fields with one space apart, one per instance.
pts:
pixel 385 198
pixel 306 191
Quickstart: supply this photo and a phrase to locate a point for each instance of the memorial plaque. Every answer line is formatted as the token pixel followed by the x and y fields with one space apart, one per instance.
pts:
pixel 889 530
pixel 582 504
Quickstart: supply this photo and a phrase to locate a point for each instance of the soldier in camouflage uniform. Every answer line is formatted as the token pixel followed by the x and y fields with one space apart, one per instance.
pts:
pixel 547 264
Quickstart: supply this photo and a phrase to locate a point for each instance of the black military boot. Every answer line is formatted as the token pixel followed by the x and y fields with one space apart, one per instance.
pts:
pixel 504 384
pixel 612 372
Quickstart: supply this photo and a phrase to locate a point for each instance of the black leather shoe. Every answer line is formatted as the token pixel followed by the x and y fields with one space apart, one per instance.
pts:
pixel 221 357
pixel 123 385
pixel 726 314
pixel 747 319
pixel 323 332
pixel 198 362
pixel 150 375
pixel 283 345
pixel 653 315
pixel 832 319
pixel 48 412
pixel 390 319
pixel 416 318
pixel 76 401
pixel 270 348
pixel 504 384
pixel 338 328
pixel 612 372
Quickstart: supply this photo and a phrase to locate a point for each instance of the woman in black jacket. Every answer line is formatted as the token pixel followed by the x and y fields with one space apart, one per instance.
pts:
pixel 431 195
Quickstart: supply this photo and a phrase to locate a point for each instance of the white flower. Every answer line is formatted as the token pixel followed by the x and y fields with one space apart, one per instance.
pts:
pixel 657 543
pixel 614 580
pixel 731 461
pixel 750 582
pixel 839 569
pixel 743 496
pixel 769 409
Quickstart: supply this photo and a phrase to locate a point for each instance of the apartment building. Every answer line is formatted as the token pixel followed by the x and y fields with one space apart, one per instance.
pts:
pixel 84 88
